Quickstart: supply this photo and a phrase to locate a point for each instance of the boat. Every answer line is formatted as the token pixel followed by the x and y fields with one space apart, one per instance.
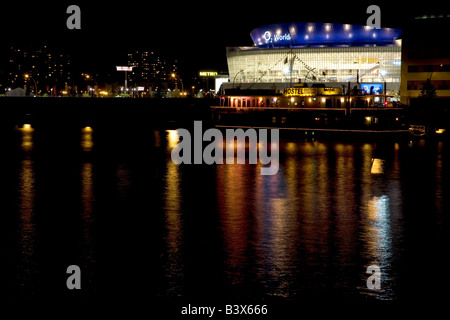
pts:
pixel 311 108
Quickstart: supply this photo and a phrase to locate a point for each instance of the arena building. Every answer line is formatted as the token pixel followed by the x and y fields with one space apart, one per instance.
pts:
pixel 330 53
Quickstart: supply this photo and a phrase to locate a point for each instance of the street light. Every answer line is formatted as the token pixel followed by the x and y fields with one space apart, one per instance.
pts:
pixel 234 79
pixel 176 76
pixel 26 75
pixel 87 77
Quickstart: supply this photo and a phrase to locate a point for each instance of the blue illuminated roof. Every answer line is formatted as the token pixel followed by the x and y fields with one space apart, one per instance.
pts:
pixel 321 34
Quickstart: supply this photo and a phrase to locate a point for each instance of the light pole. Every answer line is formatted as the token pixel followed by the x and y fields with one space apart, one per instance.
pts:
pixel 382 73
pixel 87 77
pixel 176 76
pixel 35 85
pixel 126 69
pixel 236 76
pixel 384 84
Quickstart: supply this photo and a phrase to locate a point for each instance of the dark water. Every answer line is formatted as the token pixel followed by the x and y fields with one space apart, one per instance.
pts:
pixel 149 234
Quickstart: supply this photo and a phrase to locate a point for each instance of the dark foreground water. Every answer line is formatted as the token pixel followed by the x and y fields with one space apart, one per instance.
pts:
pixel 152 236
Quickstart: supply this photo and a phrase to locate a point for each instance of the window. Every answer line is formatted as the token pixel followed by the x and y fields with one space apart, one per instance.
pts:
pixel 413 69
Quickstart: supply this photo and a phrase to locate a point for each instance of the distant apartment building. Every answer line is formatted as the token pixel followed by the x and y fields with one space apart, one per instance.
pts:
pixel 425 55
pixel 150 70
pixel 50 69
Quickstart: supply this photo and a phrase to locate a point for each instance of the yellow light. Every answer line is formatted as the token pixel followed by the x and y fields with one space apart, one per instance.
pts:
pixel 291 147
pixel 173 138
pixel 368 119
pixel 26 76
pixel 87 129
pixel 440 131
pixel 27 126
pixel 323 99
pixel 342 100
pixel 208 73
pixel 377 166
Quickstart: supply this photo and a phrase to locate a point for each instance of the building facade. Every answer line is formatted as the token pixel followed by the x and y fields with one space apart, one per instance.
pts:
pixel 425 57
pixel 50 69
pixel 318 52
pixel 149 69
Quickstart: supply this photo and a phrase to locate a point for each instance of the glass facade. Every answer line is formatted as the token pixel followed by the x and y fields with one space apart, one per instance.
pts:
pixel 368 64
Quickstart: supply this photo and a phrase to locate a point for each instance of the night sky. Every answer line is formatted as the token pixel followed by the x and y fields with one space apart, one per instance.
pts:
pixel 195 32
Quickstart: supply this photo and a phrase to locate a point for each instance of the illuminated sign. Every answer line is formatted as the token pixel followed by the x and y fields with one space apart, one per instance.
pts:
pixel 300 91
pixel 329 91
pixel 208 73
pixel 312 91
pixel 119 68
pixel 277 37
pixel 372 88
pixel 329 34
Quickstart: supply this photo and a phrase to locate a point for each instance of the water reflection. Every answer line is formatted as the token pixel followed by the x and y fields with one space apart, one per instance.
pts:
pixel 87 142
pixel 377 166
pixel 27 228
pixel 87 241
pixel 173 234
pixel 173 138
pixel 378 240
pixel 302 229
pixel 235 218
pixel 26 137
pixel 314 227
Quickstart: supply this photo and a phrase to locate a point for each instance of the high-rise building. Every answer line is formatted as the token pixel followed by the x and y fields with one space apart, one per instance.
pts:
pixel 425 57
pixel 149 69
pixel 50 68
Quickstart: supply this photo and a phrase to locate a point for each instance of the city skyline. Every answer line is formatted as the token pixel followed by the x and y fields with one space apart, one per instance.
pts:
pixel 195 35
pixel 197 32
